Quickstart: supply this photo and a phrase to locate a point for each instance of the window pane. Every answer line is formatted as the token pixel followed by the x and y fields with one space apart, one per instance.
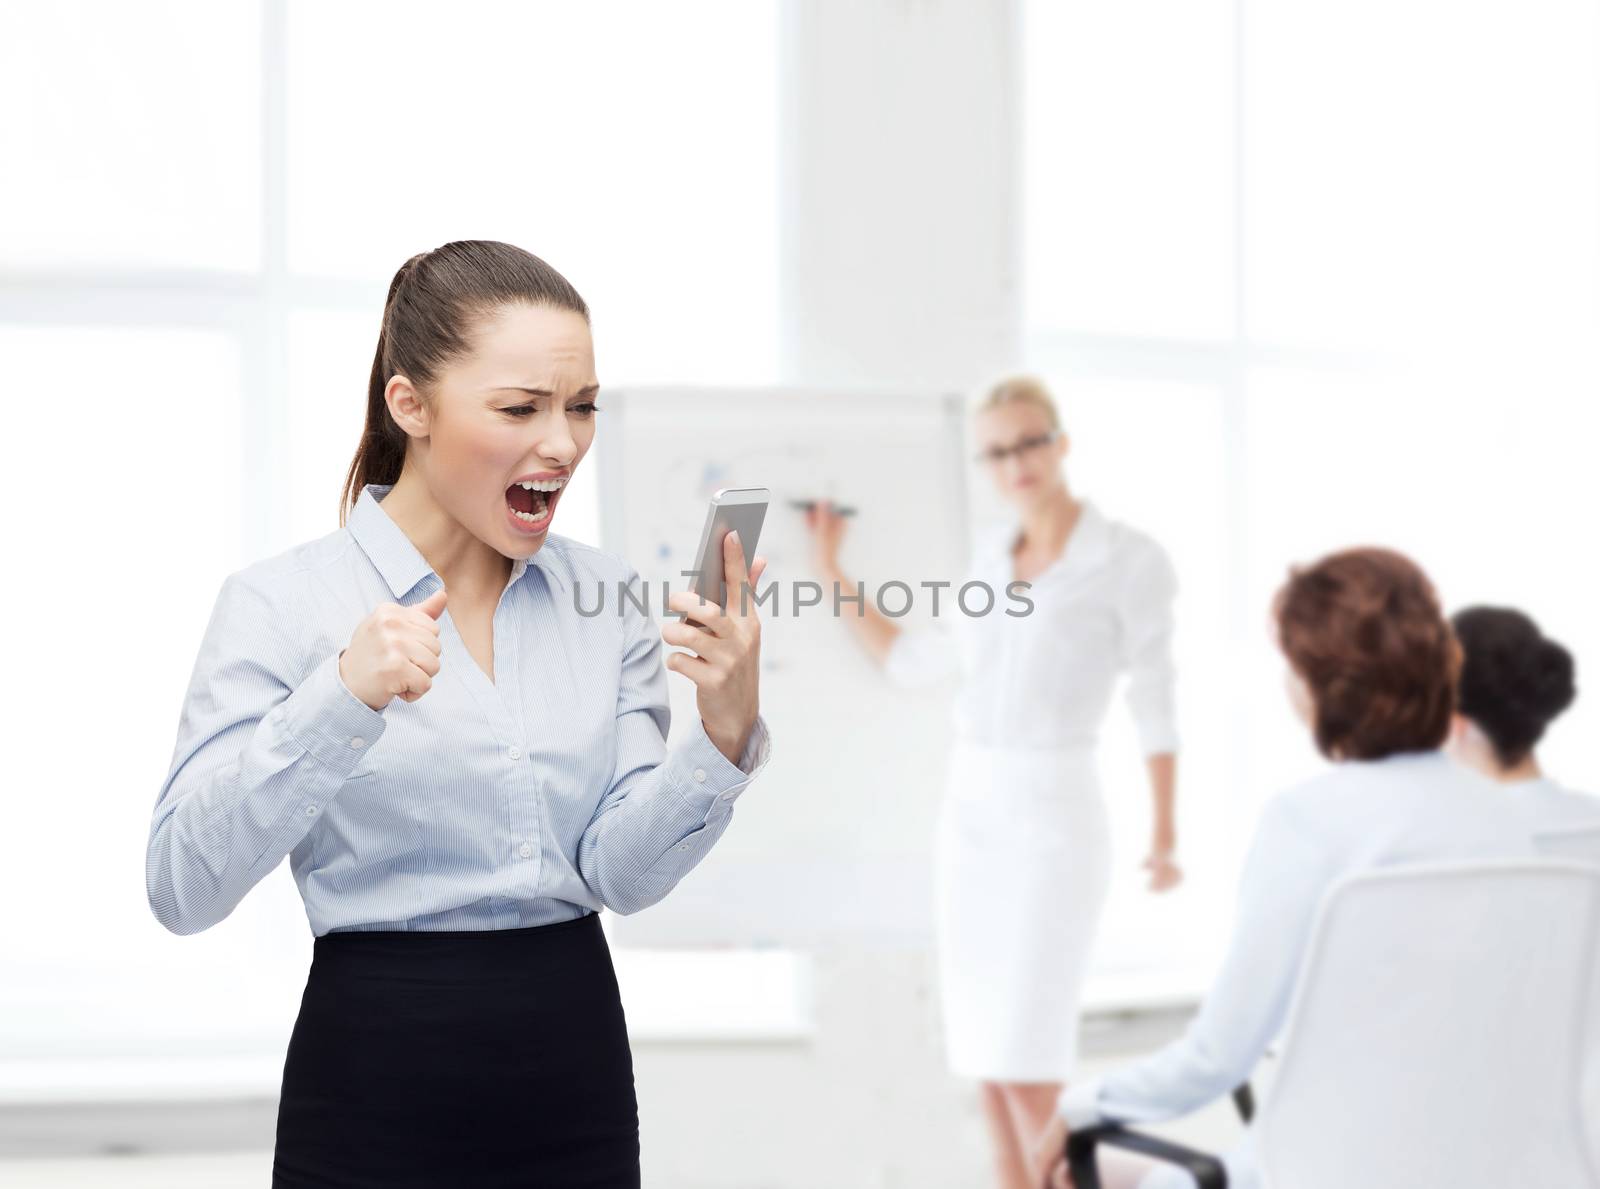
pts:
pixel 1485 480
pixel 133 482
pixel 1417 171
pixel 130 134
pixel 632 145
pixel 1128 154
pixel 330 359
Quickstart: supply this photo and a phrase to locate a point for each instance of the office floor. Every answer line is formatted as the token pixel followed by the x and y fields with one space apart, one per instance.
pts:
pixel 868 1096
pixel 241 1170
pixel 966 1168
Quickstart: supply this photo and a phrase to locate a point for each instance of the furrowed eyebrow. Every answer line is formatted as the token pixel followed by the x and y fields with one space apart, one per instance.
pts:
pixel 591 390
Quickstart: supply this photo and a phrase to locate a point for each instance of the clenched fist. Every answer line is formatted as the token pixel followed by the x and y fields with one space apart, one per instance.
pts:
pixel 394 651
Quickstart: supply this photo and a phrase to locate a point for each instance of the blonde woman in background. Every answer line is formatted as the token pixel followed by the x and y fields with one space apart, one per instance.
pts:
pixel 1023 845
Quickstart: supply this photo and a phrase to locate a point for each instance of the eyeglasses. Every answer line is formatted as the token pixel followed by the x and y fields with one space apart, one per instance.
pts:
pixel 995 455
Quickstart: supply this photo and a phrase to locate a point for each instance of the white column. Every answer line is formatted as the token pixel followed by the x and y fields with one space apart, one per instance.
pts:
pixel 899 193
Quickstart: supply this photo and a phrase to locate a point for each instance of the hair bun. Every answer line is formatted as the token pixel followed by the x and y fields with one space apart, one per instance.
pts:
pixel 1552 687
pixel 1514 678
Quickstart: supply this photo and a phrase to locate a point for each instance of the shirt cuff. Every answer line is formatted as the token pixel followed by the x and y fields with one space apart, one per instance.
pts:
pixel 1079 1104
pixel 1158 740
pixel 698 768
pixel 757 750
pixel 329 721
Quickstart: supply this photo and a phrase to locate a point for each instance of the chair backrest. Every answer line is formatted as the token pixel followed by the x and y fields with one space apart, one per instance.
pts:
pixel 1438 1031
pixel 1579 843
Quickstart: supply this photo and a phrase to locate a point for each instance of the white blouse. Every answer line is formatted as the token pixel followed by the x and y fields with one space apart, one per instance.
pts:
pixel 1045 679
pixel 1550 806
pixel 1355 816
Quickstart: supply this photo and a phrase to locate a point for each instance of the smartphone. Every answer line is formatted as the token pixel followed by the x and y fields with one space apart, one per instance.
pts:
pixel 741 508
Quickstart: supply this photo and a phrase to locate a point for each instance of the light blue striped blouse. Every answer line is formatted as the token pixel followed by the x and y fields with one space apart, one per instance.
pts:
pixel 536 797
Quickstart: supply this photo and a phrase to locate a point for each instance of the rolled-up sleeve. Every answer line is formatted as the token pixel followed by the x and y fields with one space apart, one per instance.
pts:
pixel 259 753
pixel 1145 619
pixel 665 807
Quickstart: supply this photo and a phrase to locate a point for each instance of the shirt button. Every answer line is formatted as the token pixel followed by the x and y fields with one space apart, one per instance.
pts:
pixel 358 741
pixel 683 846
pixel 514 752
pixel 525 850
pixel 699 773
pixel 311 811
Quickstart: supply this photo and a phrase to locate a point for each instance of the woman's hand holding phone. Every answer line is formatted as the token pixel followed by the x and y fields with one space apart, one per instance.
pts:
pixel 394 652
pixel 726 661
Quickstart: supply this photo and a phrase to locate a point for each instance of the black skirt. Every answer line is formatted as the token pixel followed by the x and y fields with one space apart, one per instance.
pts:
pixel 490 1059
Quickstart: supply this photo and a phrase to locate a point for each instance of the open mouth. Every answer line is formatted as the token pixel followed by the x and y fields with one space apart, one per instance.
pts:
pixel 530 506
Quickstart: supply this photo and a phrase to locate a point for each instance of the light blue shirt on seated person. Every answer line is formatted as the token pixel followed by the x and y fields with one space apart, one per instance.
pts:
pixel 537 796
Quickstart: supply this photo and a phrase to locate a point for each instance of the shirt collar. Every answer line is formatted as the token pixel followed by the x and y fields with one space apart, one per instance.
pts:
pixel 1088 546
pixel 402 564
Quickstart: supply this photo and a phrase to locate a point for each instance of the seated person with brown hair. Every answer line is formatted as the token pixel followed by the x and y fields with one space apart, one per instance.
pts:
pixel 1372 671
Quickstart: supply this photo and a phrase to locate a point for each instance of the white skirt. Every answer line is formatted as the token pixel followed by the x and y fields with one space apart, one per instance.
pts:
pixel 1022 868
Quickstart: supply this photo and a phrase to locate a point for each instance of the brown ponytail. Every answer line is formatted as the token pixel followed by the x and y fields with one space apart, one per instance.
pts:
pixel 434 301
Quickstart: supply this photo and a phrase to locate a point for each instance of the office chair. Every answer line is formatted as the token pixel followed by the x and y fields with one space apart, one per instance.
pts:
pixel 1437 1036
